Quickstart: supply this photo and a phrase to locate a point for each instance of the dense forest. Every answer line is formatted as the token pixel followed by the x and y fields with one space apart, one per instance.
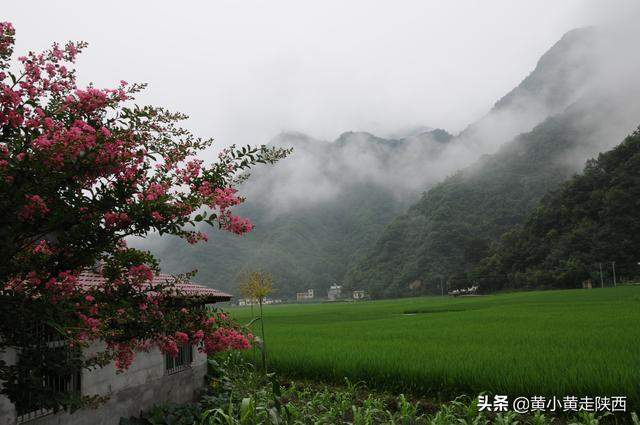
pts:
pixel 591 221
pixel 307 248
pixel 446 234
pixel 440 241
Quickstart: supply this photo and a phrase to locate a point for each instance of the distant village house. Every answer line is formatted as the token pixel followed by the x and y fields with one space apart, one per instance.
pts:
pixel 248 301
pixel 359 295
pixel 304 296
pixel 335 291
pixel 472 290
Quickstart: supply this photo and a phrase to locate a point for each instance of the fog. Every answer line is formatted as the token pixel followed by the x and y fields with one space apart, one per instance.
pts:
pixel 249 71
pixel 592 73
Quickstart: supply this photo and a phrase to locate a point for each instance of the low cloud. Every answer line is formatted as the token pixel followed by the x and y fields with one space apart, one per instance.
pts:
pixel 596 67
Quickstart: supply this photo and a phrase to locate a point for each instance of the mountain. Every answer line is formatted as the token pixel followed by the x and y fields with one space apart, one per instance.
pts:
pixel 338 211
pixel 314 212
pixel 591 219
pixel 558 80
pixel 451 228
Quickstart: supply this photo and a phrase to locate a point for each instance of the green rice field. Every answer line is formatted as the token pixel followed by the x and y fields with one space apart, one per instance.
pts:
pixel 573 342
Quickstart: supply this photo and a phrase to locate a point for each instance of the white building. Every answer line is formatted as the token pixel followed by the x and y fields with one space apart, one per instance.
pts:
pixel 335 291
pixel 303 296
pixel 359 295
pixel 153 377
pixel 248 301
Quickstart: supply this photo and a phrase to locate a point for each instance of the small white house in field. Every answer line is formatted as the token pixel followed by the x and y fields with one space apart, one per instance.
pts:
pixel 248 301
pixel 472 290
pixel 335 291
pixel 359 295
pixel 303 296
pixel 153 378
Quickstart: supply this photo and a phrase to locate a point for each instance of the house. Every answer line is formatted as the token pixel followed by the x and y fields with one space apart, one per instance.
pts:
pixel 335 291
pixel 472 290
pixel 359 295
pixel 303 296
pixel 249 301
pixel 152 378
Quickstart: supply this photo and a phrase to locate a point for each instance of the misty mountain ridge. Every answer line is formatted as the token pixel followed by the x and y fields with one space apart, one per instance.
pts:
pixel 320 212
pixel 451 229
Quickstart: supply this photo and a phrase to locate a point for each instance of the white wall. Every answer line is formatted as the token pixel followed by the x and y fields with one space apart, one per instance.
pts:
pixel 130 392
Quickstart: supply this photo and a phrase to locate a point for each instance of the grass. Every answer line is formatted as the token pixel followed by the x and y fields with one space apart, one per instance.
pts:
pixel 574 342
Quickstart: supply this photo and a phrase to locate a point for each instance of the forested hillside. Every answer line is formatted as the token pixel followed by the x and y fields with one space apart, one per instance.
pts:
pixel 443 237
pixel 313 214
pixel 591 221
pixel 307 248
pixel 450 229
pixel 323 214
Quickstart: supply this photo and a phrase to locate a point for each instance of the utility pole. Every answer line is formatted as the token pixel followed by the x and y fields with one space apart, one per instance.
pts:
pixel 442 286
pixel 613 264
pixel 601 281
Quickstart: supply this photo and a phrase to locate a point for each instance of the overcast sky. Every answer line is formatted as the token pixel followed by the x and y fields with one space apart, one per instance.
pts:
pixel 245 70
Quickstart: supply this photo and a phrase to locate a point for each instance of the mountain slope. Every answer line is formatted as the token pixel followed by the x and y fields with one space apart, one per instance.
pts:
pixel 450 229
pixel 308 248
pixel 445 234
pixel 321 210
pixel 592 219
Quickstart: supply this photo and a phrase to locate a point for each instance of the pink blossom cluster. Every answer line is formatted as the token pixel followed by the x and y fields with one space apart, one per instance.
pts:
pixel 34 207
pixel 154 192
pixel 170 347
pixel 191 171
pixel 113 219
pixel 195 237
pixel 224 198
pixel 42 248
pixel 182 337
pixel 223 339
pixel 238 225
pixel 140 274
pixel 124 355
pixel 6 36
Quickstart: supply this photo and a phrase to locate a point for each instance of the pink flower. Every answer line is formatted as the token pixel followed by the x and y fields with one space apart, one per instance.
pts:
pixel 42 248
pixel 140 274
pixel 170 347
pixel 154 192
pixel 182 337
pixel 195 237
pixel 35 207
pixel 113 219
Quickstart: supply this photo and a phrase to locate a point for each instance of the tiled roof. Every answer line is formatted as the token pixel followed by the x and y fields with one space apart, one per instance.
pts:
pixel 90 279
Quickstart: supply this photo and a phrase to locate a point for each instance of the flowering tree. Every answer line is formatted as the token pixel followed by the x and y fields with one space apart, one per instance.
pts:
pixel 80 170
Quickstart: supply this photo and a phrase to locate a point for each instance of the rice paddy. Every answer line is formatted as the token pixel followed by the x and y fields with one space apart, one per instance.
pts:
pixel 574 342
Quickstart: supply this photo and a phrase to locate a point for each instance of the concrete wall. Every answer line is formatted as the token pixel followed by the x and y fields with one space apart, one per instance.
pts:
pixel 130 392
pixel 7 411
